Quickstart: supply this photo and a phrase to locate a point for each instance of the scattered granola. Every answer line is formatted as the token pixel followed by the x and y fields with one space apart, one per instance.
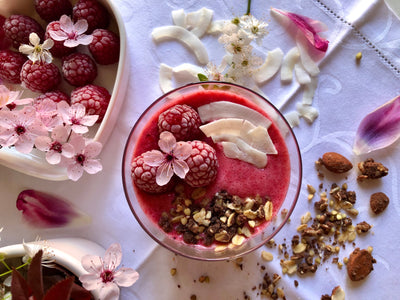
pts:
pixel 359 264
pixel 371 170
pixel 378 202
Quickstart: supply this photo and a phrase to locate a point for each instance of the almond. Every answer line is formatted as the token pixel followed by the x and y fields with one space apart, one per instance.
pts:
pixel 336 162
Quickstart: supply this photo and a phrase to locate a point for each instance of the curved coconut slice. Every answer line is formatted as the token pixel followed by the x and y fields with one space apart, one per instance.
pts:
pixel 288 62
pixel 244 152
pixel 165 78
pixel 188 38
pixel 225 109
pixel 309 91
pixel 178 17
pixel 232 126
pixel 301 74
pixel 293 118
pixel 270 67
pixel 186 73
pixel 199 21
pixel 308 63
pixel 307 112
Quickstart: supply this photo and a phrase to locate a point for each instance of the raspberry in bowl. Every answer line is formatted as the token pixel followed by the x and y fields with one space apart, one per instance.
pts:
pixel 224 187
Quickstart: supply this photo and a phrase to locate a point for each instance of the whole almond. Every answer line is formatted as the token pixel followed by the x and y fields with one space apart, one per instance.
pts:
pixel 336 162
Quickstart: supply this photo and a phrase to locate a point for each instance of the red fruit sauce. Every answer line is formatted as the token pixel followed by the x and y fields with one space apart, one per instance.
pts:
pixel 235 176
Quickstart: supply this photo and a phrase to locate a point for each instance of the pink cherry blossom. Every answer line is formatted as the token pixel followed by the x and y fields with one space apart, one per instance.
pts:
pixel 83 158
pixel 8 97
pixel 70 33
pixel 56 146
pixel 20 128
pixel 47 112
pixel 75 115
pixel 171 160
pixel 103 274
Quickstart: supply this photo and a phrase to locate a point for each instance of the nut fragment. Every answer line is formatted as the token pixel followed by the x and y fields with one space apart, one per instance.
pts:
pixel 338 294
pixel 267 256
pixel 336 162
pixel 268 207
pixel 238 239
pixel 371 170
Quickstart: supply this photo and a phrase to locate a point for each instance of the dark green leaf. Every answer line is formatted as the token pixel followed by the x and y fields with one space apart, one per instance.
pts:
pixel 202 77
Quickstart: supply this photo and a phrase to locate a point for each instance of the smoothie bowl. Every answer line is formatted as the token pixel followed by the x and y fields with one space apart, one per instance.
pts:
pixel 211 170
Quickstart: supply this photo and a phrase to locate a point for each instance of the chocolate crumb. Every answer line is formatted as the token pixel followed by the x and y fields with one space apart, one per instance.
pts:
pixel 378 202
pixel 360 264
pixel 296 283
pixel 371 170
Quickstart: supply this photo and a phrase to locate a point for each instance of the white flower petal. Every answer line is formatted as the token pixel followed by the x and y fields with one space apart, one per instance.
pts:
pixel 26 49
pixel 90 281
pixel 92 166
pixel 85 39
pixel 81 26
pixel 92 263
pixel 164 173
pixel 125 277
pixel 48 44
pixel 34 39
pixel 180 168
pixel 113 256
pixel 167 141
pixel 153 158
pixel 182 150
pixel 109 291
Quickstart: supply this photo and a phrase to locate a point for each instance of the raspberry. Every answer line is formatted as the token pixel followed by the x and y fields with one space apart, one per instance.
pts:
pixel 94 98
pixel 40 77
pixel 144 177
pixel 104 47
pixel 50 10
pixel 93 12
pixel 79 69
pixel 17 28
pixel 58 49
pixel 10 65
pixel 4 42
pixel 56 96
pixel 181 120
pixel 203 164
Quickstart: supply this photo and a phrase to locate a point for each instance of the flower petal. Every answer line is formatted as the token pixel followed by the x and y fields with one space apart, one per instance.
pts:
pixel 309 27
pixel 164 173
pixel 85 39
pixel 180 168
pixel 81 26
pixel 153 158
pixel 182 150
pixel 92 166
pixel 53 157
pixel 113 257
pixel 34 39
pixel 66 24
pixel 92 263
pixel 109 291
pixel 379 129
pixel 167 141
pixel 125 277
pixel 44 210
pixel 90 281
pixel 93 149
pixel 74 172
pixel 58 35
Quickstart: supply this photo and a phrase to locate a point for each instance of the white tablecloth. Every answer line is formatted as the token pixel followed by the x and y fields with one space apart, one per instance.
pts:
pixel 346 92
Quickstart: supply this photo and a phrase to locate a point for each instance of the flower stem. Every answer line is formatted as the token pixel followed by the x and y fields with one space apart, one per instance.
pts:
pixel 5 264
pixel 248 7
pixel 17 268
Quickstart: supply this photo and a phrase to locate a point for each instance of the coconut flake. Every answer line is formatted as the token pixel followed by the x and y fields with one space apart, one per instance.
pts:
pixel 293 118
pixel 183 35
pixel 288 63
pixel 165 78
pixel 186 73
pixel 199 21
pixel 178 17
pixel 242 151
pixel 309 91
pixel 308 63
pixel 270 67
pixel 307 112
pixel 216 27
pixel 301 74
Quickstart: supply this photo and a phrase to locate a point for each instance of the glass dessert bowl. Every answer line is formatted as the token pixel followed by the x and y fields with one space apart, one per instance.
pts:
pixel 212 170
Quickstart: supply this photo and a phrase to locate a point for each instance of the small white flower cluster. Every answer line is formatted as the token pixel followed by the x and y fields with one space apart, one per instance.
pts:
pixel 55 128
pixel 239 64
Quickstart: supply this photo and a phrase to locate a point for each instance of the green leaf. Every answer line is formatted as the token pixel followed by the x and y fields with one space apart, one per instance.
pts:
pixel 202 77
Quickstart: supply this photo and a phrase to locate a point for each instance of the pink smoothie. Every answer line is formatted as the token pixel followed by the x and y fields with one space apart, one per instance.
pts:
pixel 235 176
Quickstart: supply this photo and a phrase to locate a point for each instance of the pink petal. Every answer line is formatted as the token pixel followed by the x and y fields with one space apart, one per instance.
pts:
pixel 24 144
pixel 58 35
pixel 180 168
pixel 167 141
pixel 182 150
pixel 81 26
pixel 66 24
pixel 93 149
pixel 92 264
pixel 91 281
pixel 109 291
pixel 379 129
pixel 43 143
pixel 309 27
pixel 92 166
pixel 89 120
pixel 71 43
pixel 78 142
pixel 153 158
pixel 85 39
pixel 125 277
pixel 164 174
pixel 67 150
pixel 60 134
pixel 79 128
pixel 44 210
pixel 113 257
pixel 53 157
pixel 74 172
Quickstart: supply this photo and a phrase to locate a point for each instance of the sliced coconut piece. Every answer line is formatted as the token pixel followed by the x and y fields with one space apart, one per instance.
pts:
pixel 309 91
pixel 270 67
pixel 225 109
pixel 260 139
pixel 186 73
pixel 178 17
pixel 308 63
pixel 308 112
pixel 183 35
pixel 301 74
pixel 199 21
pixel 216 27
pixel 165 78
pixel 288 62
pixel 293 118
pixel 232 126
pixel 244 152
